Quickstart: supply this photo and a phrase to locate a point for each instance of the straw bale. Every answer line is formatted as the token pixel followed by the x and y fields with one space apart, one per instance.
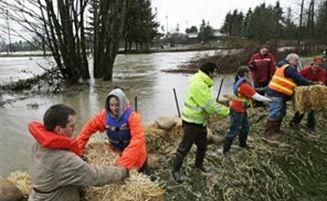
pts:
pixel 308 98
pixel 158 139
pixel 167 123
pixel 224 100
pixel 22 180
pixel 137 187
pixel 9 191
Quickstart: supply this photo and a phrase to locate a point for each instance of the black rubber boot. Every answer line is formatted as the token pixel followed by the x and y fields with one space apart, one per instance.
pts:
pixel 177 175
pixel 243 141
pixel 227 145
pixel 295 121
pixel 199 157
pixel 270 128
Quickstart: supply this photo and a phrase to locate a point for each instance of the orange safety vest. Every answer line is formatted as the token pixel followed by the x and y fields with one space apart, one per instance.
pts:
pixel 281 83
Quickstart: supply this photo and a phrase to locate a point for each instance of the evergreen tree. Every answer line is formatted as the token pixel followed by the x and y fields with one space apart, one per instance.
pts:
pixel 141 27
pixel 233 24
pixel 245 24
pixel 206 32
pixel 227 24
pixel 193 29
pixel 290 30
pixel 264 23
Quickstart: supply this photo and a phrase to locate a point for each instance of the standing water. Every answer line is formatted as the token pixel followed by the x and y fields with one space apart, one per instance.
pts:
pixel 139 75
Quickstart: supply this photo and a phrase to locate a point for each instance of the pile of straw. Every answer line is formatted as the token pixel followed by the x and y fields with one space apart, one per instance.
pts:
pixel 158 139
pixel 310 98
pixel 22 180
pixel 137 187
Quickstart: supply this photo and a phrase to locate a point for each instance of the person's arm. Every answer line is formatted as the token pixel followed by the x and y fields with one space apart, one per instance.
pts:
pixel 291 72
pixel 72 170
pixel 134 154
pixel 260 98
pixel 204 98
pixel 249 92
pixel 251 63
pixel 272 66
pixel 322 76
pixel 97 123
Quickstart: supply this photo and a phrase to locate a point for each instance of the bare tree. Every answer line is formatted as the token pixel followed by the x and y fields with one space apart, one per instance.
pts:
pixel 59 24
pixel 108 23
pixel 300 35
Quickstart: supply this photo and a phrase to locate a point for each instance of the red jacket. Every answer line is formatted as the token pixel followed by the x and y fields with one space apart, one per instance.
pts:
pixel 52 140
pixel 262 67
pixel 246 91
pixel 134 155
pixel 320 75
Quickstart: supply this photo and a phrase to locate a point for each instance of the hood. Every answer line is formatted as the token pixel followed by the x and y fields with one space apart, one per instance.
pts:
pixel 204 77
pixel 52 140
pixel 282 63
pixel 123 102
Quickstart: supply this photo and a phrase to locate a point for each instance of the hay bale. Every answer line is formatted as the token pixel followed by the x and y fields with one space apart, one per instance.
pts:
pixel 22 180
pixel 308 98
pixel 158 139
pixel 224 100
pixel 8 191
pixel 137 187
pixel 167 123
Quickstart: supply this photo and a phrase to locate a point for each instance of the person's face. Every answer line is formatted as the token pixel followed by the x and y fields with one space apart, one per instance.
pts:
pixel 114 105
pixel 294 61
pixel 264 51
pixel 68 130
pixel 213 74
pixel 248 75
pixel 315 68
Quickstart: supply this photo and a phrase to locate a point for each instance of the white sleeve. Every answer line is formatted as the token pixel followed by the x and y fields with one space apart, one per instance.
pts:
pixel 261 98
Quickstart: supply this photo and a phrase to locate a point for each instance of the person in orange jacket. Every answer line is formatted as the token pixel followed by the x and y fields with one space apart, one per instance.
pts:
pixel 124 129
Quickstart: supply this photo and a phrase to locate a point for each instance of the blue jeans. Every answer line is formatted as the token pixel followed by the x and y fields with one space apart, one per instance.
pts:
pixel 277 108
pixel 238 124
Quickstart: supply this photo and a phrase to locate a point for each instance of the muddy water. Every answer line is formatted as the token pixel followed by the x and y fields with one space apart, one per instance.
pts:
pixel 140 75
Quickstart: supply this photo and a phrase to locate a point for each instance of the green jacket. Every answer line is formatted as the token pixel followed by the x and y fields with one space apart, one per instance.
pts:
pixel 199 102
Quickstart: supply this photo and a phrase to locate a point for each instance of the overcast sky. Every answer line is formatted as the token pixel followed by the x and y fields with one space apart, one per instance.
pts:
pixel 191 12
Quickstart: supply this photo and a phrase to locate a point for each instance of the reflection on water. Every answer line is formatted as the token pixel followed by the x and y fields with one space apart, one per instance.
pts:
pixel 139 75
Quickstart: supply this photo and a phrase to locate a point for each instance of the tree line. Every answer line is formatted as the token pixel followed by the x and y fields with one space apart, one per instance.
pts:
pixel 266 22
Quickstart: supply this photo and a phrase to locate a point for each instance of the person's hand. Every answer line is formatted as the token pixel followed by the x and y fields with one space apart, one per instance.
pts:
pixel 123 176
pixel 126 173
pixel 85 158
pixel 224 111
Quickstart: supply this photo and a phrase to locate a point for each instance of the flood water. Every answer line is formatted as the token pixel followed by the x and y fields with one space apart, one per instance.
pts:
pixel 140 75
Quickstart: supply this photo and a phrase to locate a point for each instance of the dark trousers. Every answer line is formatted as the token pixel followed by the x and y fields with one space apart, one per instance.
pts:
pixel 192 133
pixel 311 123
